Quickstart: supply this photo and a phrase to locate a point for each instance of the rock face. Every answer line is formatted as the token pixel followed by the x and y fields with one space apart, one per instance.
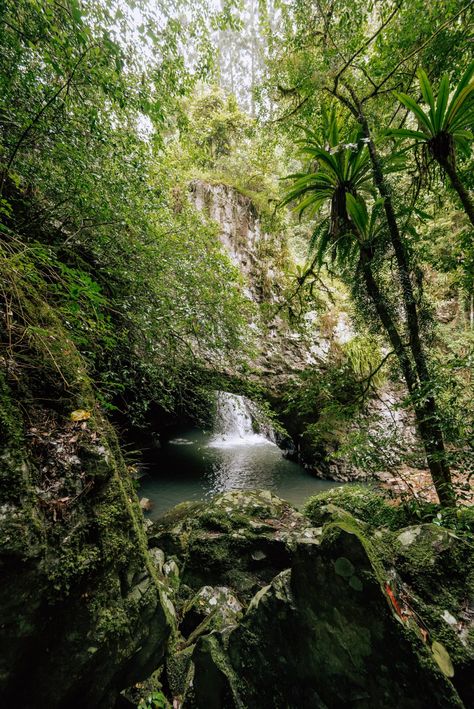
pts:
pixel 264 260
pixel 253 250
pixel 313 616
pixel 83 608
pixel 288 353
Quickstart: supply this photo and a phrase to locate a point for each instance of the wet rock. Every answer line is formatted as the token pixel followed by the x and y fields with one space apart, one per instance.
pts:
pixel 241 539
pixel 436 566
pixel 275 611
pixel 332 644
pixel 82 611
pixel 145 504
pixel 218 602
pixel 158 558
pixel 171 570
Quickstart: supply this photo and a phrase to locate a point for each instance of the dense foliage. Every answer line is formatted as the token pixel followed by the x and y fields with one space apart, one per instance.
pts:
pixel 94 213
pixel 373 221
pixel 109 110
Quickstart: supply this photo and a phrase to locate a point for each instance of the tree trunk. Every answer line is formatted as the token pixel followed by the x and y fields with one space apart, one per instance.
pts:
pixel 387 321
pixel 424 401
pixel 456 183
pixel 428 429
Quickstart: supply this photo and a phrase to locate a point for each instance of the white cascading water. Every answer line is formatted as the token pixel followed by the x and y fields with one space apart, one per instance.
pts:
pixel 234 423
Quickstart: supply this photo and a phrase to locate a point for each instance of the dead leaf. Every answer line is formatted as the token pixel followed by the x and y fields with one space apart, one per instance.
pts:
pixel 443 660
pixel 80 415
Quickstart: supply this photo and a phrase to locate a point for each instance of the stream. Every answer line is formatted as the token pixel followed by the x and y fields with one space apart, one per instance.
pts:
pixel 196 465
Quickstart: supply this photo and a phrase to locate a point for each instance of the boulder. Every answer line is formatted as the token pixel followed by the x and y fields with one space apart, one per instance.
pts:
pixel 332 636
pixel 276 612
pixel 241 539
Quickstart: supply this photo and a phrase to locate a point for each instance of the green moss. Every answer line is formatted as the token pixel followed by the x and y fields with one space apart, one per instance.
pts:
pixel 179 670
pixel 218 684
pixel 74 533
pixel 178 514
pixel 222 521
pixel 11 422
pixel 361 501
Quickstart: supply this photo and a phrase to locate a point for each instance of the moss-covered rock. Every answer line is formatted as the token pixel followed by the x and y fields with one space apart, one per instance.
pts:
pixel 240 539
pixel 361 501
pixel 343 614
pixel 83 608
pixel 435 569
pixel 213 607
pixel 332 636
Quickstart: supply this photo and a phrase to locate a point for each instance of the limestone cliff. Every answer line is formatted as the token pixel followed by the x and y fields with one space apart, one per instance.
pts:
pixel 259 254
pixel 264 259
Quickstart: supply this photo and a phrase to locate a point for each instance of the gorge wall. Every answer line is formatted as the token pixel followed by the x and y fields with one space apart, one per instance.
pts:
pixel 288 352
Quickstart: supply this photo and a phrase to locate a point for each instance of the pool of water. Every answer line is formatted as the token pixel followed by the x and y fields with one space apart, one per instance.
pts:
pixel 197 465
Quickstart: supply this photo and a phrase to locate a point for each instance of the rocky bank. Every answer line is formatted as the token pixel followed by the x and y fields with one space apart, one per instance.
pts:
pixel 281 609
pixel 83 610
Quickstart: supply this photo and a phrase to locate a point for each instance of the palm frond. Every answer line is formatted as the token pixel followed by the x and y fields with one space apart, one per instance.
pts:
pixel 461 109
pixel 312 201
pixel 441 103
pixel 357 210
pixel 319 240
pixel 406 133
pixel 463 83
pixel 412 105
pixel 427 92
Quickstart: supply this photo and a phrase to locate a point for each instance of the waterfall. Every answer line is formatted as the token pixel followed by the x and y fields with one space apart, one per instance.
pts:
pixel 234 423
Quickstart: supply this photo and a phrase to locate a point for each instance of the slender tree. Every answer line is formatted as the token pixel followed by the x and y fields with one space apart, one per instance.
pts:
pixel 343 175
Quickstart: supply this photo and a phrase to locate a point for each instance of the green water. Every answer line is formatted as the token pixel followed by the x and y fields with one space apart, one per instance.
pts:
pixel 194 467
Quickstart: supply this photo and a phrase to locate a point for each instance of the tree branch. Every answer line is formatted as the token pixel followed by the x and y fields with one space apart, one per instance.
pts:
pixel 44 108
pixel 417 50
pixel 366 43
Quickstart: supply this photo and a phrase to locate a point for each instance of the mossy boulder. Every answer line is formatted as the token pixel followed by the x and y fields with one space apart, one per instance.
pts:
pixel 84 611
pixel 332 636
pixel 362 502
pixel 240 539
pixel 435 573
pixel 343 614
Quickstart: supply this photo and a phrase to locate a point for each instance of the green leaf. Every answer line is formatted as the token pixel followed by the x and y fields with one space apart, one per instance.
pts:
pixel 427 91
pixel 357 210
pixel 460 109
pixel 412 105
pixel 406 133
pixel 443 660
pixel 442 102
pixel 76 11
pixel 465 80
pixel 314 201
pixel 343 567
